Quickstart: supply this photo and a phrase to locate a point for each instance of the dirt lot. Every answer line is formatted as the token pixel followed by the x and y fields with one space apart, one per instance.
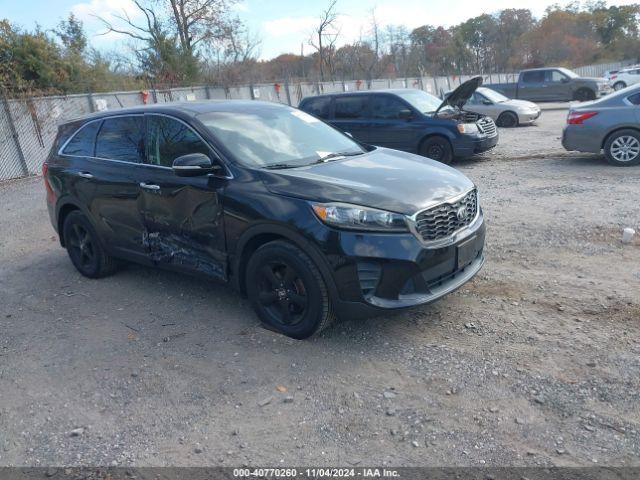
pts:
pixel 535 362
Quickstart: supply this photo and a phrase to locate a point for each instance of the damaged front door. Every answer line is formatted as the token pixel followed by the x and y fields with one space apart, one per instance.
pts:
pixel 182 215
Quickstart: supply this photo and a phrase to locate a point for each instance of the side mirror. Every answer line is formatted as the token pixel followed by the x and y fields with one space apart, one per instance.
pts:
pixel 564 80
pixel 193 164
pixel 405 114
pixel 487 102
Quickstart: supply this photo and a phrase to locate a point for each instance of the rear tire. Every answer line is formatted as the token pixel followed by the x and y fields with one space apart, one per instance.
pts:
pixel 622 148
pixel 619 86
pixel 437 148
pixel 584 95
pixel 507 120
pixel 287 290
pixel 84 247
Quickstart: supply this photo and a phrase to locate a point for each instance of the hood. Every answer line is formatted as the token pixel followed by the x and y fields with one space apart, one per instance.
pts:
pixel 385 179
pixel 592 79
pixel 461 95
pixel 525 104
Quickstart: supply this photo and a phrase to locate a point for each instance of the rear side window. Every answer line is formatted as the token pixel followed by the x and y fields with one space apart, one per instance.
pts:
pixel 320 107
pixel 122 138
pixel 83 142
pixel 533 77
pixel 386 107
pixel 634 99
pixel 347 108
pixel 169 139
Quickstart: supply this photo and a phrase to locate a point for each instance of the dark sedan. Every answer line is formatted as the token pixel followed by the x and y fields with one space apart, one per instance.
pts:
pixel 299 217
pixel 410 120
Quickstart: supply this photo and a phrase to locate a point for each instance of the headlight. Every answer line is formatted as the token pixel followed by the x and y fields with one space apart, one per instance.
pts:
pixel 468 128
pixel 354 217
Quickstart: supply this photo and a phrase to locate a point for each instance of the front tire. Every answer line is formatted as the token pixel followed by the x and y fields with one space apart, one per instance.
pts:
pixel 84 247
pixel 619 86
pixel 584 95
pixel 437 148
pixel 507 120
pixel 622 148
pixel 287 290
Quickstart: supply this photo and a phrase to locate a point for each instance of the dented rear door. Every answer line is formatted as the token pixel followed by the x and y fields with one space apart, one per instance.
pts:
pixel 182 216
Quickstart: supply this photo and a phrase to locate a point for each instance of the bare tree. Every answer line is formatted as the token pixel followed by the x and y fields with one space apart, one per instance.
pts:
pixel 325 35
pixel 199 21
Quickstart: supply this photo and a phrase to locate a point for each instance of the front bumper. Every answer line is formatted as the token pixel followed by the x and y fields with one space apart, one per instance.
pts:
pixel 474 145
pixel 376 273
pixel 529 117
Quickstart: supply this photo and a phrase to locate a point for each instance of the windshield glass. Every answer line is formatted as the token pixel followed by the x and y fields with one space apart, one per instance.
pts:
pixel 276 136
pixel 569 73
pixel 492 95
pixel 422 101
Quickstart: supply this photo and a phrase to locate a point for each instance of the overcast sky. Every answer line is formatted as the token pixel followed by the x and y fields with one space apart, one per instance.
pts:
pixel 283 25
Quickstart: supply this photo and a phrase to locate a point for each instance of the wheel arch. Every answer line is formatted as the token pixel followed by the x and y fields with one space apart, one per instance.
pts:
pixel 64 209
pixel 618 129
pixel 433 135
pixel 254 237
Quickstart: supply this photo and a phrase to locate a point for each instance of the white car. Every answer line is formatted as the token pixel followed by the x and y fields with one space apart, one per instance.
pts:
pixel 506 112
pixel 625 77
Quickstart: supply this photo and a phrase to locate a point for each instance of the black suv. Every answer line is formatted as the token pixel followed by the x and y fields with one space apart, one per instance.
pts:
pixel 302 219
pixel 410 120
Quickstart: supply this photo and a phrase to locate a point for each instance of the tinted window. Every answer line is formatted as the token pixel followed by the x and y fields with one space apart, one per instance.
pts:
pixel 169 139
pixel 122 138
pixel 350 107
pixel 533 77
pixel 634 99
pixel 386 107
pixel 320 107
pixel 83 142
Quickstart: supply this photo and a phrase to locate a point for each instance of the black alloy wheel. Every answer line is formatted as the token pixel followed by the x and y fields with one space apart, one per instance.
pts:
pixel 84 248
pixel 287 290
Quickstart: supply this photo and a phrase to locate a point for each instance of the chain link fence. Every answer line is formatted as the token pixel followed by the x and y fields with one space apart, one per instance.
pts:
pixel 28 125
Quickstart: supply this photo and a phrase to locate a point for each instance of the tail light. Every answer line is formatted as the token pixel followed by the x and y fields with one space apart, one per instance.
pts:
pixel 50 195
pixel 577 118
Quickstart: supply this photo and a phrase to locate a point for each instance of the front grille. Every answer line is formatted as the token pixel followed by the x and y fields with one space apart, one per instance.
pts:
pixel 487 125
pixel 445 219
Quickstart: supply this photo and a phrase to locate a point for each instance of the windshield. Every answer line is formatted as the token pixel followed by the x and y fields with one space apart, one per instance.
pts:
pixel 492 95
pixel 422 101
pixel 275 136
pixel 569 73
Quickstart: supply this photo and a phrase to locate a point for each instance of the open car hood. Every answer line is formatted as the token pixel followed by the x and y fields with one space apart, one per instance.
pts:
pixel 461 95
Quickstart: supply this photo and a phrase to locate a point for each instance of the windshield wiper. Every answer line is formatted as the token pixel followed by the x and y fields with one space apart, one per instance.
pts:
pixel 333 155
pixel 278 166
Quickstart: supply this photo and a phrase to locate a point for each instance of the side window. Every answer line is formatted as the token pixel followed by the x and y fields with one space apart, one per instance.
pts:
pixel 83 142
pixel 386 107
pixel 634 99
pixel 169 139
pixel 122 138
pixel 475 99
pixel 320 107
pixel 533 77
pixel 349 108
pixel 555 76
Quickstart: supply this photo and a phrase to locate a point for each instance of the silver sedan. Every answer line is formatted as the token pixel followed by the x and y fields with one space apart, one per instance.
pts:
pixel 506 112
pixel 611 124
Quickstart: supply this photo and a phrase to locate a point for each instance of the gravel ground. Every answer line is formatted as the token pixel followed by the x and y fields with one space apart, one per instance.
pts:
pixel 534 362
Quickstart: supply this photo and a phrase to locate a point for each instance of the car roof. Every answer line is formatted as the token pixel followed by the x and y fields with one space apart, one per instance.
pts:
pixel 181 109
pixel 393 91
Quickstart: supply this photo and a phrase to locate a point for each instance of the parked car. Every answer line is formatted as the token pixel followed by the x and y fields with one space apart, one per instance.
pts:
pixel 410 120
pixel 553 84
pixel 625 77
pixel 306 222
pixel 611 124
pixel 504 111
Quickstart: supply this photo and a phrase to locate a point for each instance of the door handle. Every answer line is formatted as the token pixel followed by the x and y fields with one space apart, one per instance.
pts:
pixel 85 175
pixel 149 186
